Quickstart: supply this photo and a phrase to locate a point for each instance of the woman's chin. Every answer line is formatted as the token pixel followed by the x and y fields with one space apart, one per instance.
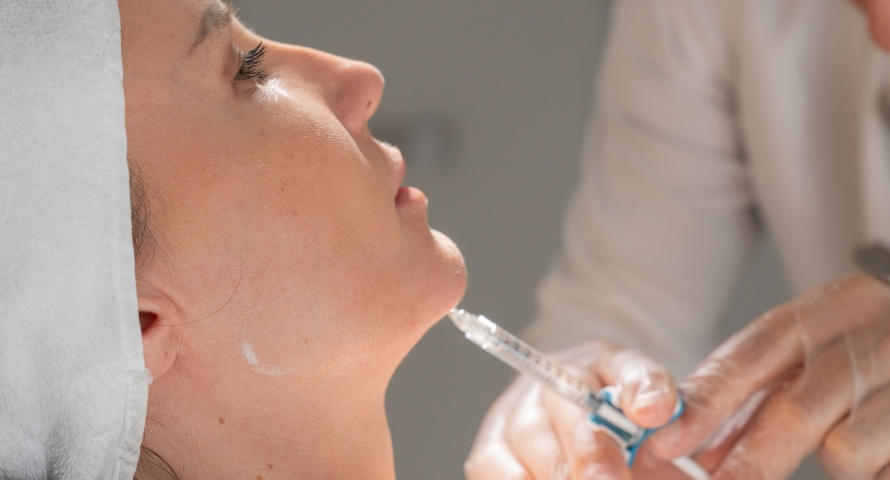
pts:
pixel 437 287
pixel 455 283
pixel 451 281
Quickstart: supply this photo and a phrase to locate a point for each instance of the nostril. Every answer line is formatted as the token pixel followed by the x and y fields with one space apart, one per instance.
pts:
pixel 359 87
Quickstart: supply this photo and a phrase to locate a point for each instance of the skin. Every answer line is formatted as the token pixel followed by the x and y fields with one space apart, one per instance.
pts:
pixel 824 358
pixel 280 227
pixel 878 13
pixel 819 366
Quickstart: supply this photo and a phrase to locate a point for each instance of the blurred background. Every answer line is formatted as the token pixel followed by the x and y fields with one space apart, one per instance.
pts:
pixel 487 100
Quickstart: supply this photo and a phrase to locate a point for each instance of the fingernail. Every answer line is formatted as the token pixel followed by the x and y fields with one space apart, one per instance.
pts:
pixel 649 397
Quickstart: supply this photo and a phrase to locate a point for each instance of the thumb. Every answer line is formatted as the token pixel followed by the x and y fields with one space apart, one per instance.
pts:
pixel 647 392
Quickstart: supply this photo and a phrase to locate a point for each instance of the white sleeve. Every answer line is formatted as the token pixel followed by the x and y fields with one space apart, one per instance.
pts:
pixel 662 221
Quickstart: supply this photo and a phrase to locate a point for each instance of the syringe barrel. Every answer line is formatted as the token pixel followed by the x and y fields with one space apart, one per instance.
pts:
pixel 524 358
pixel 602 405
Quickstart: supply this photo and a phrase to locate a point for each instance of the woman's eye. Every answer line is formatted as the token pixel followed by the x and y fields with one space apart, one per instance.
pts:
pixel 251 63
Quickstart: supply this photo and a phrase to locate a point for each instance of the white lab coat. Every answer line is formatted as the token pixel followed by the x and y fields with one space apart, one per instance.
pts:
pixel 715 120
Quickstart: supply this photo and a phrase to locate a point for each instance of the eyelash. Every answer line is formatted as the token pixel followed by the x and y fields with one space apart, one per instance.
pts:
pixel 251 63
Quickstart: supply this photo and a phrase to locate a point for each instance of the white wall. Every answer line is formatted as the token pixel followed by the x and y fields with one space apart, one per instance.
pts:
pixel 505 86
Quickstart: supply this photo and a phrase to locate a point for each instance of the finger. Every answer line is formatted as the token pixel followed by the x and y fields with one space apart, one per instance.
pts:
pixel 859 446
pixel 646 390
pixel 494 461
pixel 765 351
pixel 714 453
pixel 491 457
pixel 590 454
pixel 532 440
pixel 795 421
pixel 884 475
pixel 647 393
pixel 648 466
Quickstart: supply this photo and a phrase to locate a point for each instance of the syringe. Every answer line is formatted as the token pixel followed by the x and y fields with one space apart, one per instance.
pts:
pixel 603 411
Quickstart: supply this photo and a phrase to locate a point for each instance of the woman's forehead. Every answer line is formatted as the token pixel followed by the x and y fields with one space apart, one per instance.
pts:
pixel 216 16
pixel 160 34
pixel 182 23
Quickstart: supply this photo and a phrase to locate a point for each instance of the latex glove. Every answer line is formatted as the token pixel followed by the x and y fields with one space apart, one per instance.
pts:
pixel 823 361
pixel 531 433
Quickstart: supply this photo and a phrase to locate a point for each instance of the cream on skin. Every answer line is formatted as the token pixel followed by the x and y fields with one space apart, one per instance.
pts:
pixel 263 368
pixel 279 220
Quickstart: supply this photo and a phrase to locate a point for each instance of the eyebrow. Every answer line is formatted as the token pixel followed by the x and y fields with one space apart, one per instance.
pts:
pixel 217 15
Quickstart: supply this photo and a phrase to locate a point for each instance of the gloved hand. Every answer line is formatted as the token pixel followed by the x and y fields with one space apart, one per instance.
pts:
pixel 531 433
pixel 823 361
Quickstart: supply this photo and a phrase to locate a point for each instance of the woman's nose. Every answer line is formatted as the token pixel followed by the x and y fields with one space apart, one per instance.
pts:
pixel 354 92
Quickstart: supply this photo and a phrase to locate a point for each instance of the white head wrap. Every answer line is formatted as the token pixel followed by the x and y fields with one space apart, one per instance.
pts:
pixel 73 387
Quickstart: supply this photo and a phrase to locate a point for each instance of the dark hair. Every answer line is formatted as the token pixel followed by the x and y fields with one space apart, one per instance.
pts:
pixel 143 239
pixel 150 463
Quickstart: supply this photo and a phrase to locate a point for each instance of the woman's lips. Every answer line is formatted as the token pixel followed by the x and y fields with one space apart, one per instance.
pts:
pixel 407 196
pixel 410 196
pixel 398 162
pixel 401 169
pixel 404 196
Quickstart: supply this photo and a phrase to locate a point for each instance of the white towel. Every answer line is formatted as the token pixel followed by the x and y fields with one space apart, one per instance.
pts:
pixel 73 387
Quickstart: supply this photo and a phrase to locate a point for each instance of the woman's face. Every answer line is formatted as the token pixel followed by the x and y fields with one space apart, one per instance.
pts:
pixel 284 237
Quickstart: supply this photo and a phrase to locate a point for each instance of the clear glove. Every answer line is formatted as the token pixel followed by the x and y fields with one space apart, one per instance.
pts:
pixel 821 363
pixel 530 433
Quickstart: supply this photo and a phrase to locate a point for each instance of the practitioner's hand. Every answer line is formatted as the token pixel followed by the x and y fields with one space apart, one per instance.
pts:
pixel 824 362
pixel 530 433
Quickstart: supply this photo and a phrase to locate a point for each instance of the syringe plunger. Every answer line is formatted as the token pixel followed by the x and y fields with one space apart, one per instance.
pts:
pixel 526 359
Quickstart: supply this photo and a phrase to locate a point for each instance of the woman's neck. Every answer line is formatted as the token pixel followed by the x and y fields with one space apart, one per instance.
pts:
pixel 282 427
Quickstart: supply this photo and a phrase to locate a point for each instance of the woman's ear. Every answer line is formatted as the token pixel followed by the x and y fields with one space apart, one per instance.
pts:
pixel 161 332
